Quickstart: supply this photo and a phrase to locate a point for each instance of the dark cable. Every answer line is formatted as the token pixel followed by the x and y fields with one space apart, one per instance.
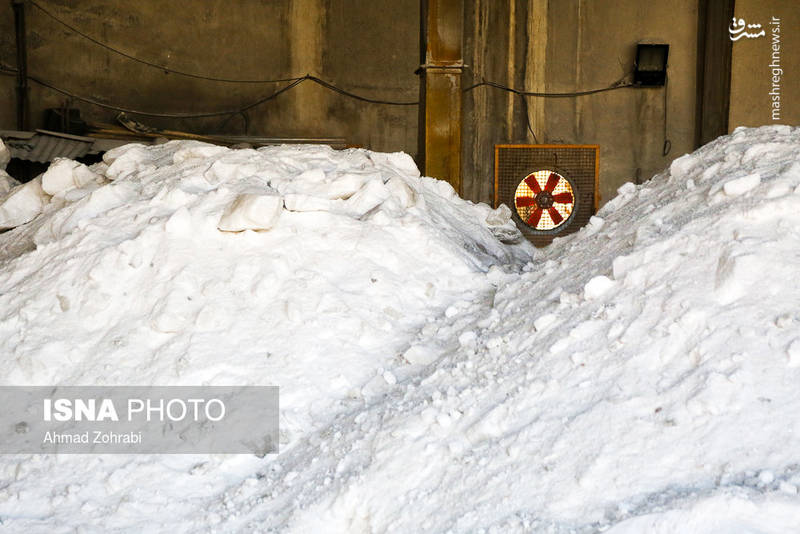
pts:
pixel 547 95
pixel 130 110
pixel 341 91
pixel 319 81
pixel 267 98
pixel 245 122
pixel 616 85
pixel 150 63
pixel 528 119
pixel 294 83
pixel 667 143
pixel 4 69
pixel 327 85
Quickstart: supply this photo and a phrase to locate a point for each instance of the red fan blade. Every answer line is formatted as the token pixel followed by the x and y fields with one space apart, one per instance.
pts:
pixel 533 218
pixel 563 198
pixel 555 215
pixel 552 182
pixel 533 184
pixel 524 202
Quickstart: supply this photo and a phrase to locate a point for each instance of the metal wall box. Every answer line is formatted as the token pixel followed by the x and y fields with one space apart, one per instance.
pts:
pixel 651 65
pixel 551 189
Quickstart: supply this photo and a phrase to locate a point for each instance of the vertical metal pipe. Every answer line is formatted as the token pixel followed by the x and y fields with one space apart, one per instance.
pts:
pixel 22 64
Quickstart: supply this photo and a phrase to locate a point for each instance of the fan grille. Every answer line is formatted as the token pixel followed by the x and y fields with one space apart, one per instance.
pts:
pixel 577 164
pixel 544 200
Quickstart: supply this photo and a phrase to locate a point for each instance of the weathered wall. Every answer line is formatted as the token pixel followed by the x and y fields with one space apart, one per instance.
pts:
pixel 485 120
pixel 628 124
pixel 372 48
pixel 368 49
pixel 751 74
pixel 590 44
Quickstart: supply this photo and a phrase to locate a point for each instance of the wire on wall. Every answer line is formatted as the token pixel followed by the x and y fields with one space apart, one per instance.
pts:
pixel 528 120
pixel 548 95
pixel 10 71
pixel 667 143
pixel 294 83
pixel 150 63
pixel 315 79
pixel 4 69
pixel 291 83
pixel 619 84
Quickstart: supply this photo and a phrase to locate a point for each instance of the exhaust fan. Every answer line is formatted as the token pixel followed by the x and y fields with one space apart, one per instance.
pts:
pixel 551 189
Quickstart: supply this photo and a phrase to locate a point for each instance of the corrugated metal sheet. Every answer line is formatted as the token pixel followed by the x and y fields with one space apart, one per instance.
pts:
pixel 44 146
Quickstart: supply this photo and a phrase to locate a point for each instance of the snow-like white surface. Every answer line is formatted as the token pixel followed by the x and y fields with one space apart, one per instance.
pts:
pixel 21 203
pixel 5 155
pixel 639 376
pixel 64 175
pixel 251 211
pixel 7 183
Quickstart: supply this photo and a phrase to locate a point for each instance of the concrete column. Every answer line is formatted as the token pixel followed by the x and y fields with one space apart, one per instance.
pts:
pixel 440 89
pixel 306 20
pixel 535 58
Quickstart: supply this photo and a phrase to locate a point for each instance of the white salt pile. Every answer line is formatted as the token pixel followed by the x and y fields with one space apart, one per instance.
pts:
pixel 639 376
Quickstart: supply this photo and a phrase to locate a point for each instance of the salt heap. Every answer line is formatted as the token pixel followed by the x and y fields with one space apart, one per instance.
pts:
pixel 639 376
pixel 179 264
pixel 642 377
pixel 7 183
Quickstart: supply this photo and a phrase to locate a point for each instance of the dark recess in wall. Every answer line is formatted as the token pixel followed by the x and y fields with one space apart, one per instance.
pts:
pixel 714 50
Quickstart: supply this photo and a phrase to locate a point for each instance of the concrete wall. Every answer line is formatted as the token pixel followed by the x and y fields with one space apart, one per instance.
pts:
pixel 366 47
pixel 372 48
pixel 589 44
pixel 487 31
pixel 751 74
